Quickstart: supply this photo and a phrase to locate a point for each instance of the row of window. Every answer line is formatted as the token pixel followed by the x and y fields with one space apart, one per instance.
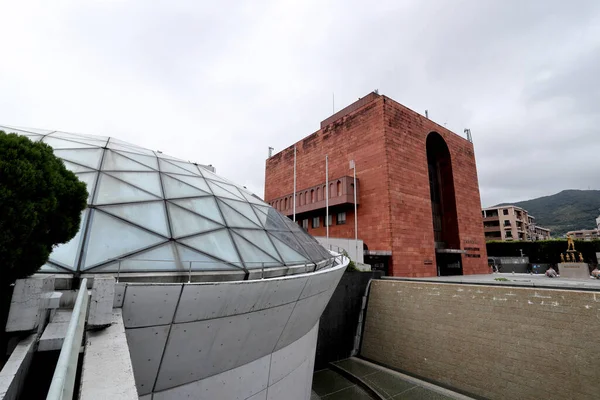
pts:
pixel 316 221
pixel 310 196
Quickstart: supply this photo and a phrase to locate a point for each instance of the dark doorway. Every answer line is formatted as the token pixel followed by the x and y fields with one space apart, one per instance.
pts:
pixel 443 205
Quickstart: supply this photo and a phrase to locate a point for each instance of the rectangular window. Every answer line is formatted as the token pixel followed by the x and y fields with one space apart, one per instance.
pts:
pixel 328 219
pixel 341 218
pixel 505 211
pixel 305 224
pixel 315 222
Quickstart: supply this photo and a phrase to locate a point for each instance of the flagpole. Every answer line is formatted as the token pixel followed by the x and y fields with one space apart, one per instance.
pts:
pixel 355 214
pixel 327 196
pixel 294 219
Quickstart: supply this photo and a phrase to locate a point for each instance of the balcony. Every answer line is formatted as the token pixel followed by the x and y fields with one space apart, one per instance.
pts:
pixel 491 228
pixel 341 191
pixel 491 218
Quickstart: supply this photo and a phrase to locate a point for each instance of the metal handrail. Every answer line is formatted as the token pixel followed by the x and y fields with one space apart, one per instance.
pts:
pixel 63 381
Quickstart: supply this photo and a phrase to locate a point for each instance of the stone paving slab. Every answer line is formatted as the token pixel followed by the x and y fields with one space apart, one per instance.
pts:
pixel 394 385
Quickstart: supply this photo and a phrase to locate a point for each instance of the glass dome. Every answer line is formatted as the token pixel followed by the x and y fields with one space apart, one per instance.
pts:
pixel 149 212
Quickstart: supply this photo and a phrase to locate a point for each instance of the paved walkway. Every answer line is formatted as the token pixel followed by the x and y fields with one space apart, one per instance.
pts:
pixel 526 280
pixel 330 385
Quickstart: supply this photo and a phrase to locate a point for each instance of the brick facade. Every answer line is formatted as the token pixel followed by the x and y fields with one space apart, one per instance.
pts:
pixel 387 141
pixel 492 342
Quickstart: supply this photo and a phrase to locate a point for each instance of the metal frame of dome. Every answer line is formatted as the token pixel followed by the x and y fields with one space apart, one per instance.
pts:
pixel 170 215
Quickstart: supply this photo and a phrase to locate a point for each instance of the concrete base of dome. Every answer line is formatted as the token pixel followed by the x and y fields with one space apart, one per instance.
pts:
pixel 249 338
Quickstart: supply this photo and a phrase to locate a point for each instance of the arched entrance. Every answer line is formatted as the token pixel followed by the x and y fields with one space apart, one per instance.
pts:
pixel 443 206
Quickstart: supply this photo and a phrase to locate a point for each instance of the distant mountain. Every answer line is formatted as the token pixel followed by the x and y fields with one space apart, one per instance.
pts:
pixel 566 211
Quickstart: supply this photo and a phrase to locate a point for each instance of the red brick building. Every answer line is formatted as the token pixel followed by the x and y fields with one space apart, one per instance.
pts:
pixel 419 211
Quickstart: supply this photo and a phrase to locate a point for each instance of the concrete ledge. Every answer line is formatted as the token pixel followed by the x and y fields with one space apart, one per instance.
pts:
pixel 107 372
pixel 14 372
pixel 55 332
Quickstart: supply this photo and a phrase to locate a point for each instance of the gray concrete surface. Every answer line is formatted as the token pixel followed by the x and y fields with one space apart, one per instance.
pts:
pixel 101 302
pixel 55 332
pixel 188 339
pixel 107 372
pixel 12 375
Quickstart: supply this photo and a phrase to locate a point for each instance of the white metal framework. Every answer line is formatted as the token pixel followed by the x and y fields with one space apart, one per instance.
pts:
pixel 149 212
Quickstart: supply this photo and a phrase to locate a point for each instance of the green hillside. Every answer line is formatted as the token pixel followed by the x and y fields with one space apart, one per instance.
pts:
pixel 565 211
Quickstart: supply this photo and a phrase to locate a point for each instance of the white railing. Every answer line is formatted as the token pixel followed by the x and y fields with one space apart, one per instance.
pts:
pixel 63 381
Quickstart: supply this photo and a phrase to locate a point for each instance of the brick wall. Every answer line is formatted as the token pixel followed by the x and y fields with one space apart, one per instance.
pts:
pixel 387 140
pixel 490 341
pixel 357 136
pixel 406 135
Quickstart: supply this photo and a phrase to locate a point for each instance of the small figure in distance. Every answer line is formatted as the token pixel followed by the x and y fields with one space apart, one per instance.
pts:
pixel 551 273
pixel 596 273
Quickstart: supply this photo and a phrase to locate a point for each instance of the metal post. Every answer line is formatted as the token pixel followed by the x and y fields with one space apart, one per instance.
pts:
pixel 327 196
pixel 262 273
pixel 355 214
pixel 294 219
pixel 63 381
pixel 119 271
pixel 190 273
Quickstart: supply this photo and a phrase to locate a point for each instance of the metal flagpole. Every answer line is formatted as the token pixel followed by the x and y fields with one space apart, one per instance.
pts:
pixel 355 214
pixel 294 219
pixel 327 196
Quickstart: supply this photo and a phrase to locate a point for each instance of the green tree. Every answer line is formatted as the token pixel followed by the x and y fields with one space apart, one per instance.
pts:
pixel 40 205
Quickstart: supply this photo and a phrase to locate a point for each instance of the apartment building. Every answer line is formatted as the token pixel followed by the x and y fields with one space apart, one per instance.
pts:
pixel 585 234
pixel 511 223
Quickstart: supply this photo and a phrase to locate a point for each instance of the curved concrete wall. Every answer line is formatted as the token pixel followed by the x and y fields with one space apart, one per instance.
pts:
pixel 227 340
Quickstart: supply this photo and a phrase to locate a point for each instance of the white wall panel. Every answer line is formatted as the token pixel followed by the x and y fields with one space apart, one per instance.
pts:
pixel 146 347
pixel 238 383
pixel 150 305
pixel 305 315
pixel 287 359
pixel 196 350
pixel 293 386
pixel 322 281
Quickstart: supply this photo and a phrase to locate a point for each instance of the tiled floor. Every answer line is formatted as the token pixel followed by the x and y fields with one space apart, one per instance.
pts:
pixel 329 385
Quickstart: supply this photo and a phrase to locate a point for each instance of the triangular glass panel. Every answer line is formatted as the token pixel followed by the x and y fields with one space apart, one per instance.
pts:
pixel 205 206
pixel 175 188
pixel 253 256
pixel 314 250
pixel 97 141
pixel 159 154
pixel 270 218
pixel 191 168
pixel 252 199
pixel 208 174
pixel 231 188
pixel 89 178
pixel 244 209
pixel 148 181
pixel 202 262
pixel 33 138
pixel 149 215
pixel 76 167
pixel 167 167
pixel 150 161
pixel 115 162
pixel 111 191
pixel 67 254
pixel 161 258
pixel 291 241
pixel 290 256
pixel 194 181
pixel 110 238
pixel 217 244
pixel 49 268
pixel 57 143
pixel 260 239
pixel 220 192
pixel 234 218
pixel 185 223
pixel 24 131
pixel 122 145
pixel 86 157
pixel 115 146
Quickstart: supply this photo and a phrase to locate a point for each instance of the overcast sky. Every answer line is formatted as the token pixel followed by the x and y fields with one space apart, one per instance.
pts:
pixel 220 82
